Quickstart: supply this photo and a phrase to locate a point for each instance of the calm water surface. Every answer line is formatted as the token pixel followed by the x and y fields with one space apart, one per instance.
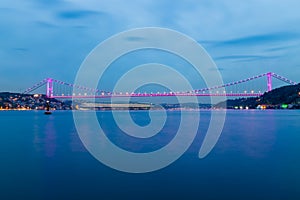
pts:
pixel 256 157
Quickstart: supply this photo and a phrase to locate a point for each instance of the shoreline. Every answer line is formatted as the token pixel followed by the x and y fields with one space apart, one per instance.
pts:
pixel 146 109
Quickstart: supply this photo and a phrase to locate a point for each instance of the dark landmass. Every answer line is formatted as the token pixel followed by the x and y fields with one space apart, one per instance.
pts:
pixel 17 101
pixel 286 97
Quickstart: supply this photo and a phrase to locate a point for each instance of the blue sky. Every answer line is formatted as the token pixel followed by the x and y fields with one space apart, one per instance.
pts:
pixel 51 38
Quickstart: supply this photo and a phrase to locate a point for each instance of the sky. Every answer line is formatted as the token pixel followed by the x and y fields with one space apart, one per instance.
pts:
pixel 51 38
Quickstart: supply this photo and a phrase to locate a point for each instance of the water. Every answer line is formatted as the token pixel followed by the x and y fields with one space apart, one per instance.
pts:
pixel 256 157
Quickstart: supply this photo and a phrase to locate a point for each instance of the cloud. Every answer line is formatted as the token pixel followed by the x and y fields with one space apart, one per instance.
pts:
pixel 244 57
pixel 77 14
pixel 217 69
pixel 282 48
pixel 44 24
pixel 21 49
pixel 134 38
pixel 257 47
pixel 48 3
pixel 5 9
pixel 260 39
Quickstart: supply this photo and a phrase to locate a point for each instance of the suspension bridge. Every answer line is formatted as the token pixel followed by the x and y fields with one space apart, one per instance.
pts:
pixel 86 92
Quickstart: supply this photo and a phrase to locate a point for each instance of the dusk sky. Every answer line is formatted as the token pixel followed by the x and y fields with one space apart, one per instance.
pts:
pixel 51 38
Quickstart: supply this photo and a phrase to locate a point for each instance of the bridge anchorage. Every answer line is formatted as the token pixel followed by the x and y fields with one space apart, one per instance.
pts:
pixel 212 91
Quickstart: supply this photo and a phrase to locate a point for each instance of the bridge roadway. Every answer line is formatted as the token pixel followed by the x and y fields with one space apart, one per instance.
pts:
pixel 159 95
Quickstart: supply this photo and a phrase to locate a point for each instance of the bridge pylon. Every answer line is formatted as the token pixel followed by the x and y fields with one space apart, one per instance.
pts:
pixel 49 88
pixel 269 81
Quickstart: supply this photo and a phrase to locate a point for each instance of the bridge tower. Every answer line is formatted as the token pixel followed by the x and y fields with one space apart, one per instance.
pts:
pixel 49 92
pixel 269 81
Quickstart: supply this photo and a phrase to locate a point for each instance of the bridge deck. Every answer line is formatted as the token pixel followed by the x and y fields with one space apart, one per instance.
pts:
pixel 160 95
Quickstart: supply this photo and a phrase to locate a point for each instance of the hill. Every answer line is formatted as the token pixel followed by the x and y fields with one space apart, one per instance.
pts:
pixel 17 101
pixel 283 97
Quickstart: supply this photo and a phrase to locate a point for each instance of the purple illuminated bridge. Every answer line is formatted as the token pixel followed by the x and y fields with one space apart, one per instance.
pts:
pixel 212 91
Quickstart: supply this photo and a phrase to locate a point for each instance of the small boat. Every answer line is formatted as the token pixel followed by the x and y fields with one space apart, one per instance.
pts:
pixel 47 112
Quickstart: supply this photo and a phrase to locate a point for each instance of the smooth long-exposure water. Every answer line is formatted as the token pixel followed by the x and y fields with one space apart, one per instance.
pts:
pixel 256 157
